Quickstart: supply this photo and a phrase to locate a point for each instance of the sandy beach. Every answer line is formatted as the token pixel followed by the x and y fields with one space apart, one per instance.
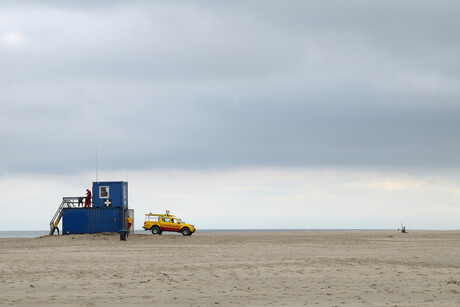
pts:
pixel 347 268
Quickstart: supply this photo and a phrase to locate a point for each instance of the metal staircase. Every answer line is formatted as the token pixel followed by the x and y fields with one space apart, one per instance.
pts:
pixel 67 202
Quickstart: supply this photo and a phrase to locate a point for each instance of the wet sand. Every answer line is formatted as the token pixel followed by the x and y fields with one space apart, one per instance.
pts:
pixel 355 268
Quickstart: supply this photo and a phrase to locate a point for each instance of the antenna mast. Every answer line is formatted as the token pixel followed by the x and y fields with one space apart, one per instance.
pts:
pixel 96 166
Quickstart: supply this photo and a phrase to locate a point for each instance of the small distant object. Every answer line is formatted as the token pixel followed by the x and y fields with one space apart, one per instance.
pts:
pixel 403 228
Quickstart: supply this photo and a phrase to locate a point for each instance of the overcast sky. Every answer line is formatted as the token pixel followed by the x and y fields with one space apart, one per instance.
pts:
pixel 235 93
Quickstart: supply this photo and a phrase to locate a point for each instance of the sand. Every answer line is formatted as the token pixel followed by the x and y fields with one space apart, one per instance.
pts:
pixel 352 268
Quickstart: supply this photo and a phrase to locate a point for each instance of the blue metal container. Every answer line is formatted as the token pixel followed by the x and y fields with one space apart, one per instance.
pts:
pixel 92 220
pixel 110 194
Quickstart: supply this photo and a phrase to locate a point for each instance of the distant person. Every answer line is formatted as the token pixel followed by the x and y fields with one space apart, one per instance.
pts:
pixel 88 199
pixel 80 202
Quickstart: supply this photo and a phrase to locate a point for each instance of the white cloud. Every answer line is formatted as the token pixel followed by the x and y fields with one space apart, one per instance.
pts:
pixel 12 39
pixel 252 198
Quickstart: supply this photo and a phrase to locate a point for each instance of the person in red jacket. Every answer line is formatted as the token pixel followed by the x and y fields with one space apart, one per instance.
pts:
pixel 88 199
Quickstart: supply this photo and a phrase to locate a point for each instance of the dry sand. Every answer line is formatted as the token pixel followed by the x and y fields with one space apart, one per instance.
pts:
pixel 355 268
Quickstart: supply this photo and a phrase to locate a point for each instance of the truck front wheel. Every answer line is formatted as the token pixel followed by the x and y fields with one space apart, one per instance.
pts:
pixel 185 231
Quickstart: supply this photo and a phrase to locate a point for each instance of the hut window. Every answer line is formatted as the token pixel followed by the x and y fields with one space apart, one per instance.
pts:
pixel 104 192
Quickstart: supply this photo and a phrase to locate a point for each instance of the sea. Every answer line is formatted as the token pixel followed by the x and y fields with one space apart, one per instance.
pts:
pixel 39 233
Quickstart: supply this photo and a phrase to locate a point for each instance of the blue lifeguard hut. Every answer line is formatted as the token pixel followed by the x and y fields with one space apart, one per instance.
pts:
pixel 107 210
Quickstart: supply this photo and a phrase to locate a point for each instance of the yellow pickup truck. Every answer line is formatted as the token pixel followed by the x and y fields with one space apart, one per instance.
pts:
pixel 157 223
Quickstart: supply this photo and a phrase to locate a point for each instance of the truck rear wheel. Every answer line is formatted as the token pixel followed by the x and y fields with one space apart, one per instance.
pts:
pixel 156 230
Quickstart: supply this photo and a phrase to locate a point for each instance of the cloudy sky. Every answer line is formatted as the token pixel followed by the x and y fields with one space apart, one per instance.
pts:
pixel 234 114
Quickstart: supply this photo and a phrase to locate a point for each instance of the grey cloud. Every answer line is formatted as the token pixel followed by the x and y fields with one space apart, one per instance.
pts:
pixel 237 84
